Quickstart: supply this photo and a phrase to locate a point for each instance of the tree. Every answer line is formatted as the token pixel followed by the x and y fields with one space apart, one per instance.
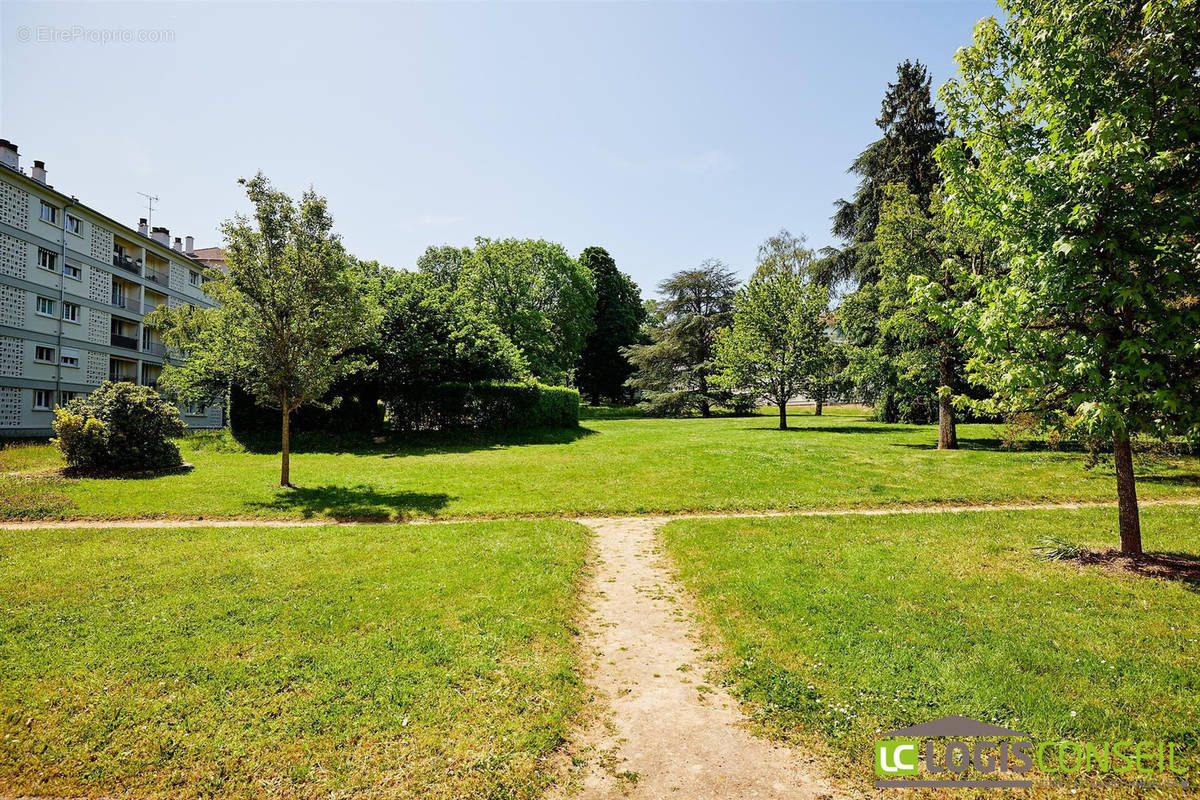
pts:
pixel 931 265
pixel 881 356
pixel 443 264
pixel 675 368
pixel 603 367
pixel 428 337
pixel 291 306
pixel 541 299
pixel 777 337
pixel 1077 152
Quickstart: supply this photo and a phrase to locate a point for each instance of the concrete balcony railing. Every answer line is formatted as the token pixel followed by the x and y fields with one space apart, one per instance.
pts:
pixel 128 342
pixel 128 303
pixel 128 264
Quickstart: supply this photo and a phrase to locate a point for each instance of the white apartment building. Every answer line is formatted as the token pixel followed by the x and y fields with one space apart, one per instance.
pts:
pixel 75 286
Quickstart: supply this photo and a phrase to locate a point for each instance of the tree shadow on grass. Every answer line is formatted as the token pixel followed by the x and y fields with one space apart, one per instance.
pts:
pixel 1186 479
pixel 419 443
pixel 1182 567
pixel 882 427
pixel 355 503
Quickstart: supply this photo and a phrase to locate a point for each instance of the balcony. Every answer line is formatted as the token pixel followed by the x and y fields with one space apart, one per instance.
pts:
pixel 159 276
pixel 128 342
pixel 126 263
pixel 127 303
pixel 154 348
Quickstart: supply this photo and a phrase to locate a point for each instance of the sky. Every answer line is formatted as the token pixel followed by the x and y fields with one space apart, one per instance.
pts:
pixel 667 133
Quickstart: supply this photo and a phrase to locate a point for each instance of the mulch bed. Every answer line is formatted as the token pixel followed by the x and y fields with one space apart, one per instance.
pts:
pixel 1165 566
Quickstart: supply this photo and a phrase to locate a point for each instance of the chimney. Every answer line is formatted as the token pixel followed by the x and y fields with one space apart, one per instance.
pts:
pixel 161 235
pixel 189 244
pixel 178 246
pixel 143 228
pixel 8 155
pixel 38 173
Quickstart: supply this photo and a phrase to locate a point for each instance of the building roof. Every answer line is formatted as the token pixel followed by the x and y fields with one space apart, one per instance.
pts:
pixel 208 254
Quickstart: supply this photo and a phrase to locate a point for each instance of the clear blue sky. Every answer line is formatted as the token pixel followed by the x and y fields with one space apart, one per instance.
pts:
pixel 668 133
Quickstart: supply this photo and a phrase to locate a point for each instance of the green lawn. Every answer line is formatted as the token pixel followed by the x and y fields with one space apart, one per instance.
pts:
pixel 423 661
pixel 606 466
pixel 835 628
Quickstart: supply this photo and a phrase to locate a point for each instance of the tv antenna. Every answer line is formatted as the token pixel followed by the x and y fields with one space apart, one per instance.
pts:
pixel 150 201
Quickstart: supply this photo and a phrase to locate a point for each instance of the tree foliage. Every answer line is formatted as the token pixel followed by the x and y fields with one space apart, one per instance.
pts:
pixel 443 263
pixel 674 369
pixel 1078 125
pixel 777 340
pixel 291 307
pixel 541 299
pixel 603 366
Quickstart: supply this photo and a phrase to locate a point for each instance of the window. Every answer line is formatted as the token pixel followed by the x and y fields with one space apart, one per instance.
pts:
pixel 43 354
pixel 49 213
pixel 70 358
pixel 43 399
pixel 74 225
pixel 45 306
pixel 66 397
pixel 195 410
pixel 72 271
pixel 71 312
pixel 193 277
pixel 47 260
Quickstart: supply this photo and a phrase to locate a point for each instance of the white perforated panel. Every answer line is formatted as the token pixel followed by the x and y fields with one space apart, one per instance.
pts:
pixel 11 356
pixel 10 407
pixel 12 256
pixel 14 205
pixel 102 244
pixel 99 326
pixel 12 306
pixel 100 285
pixel 97 368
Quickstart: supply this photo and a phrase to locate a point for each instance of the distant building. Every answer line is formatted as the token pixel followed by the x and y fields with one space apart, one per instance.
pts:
pixel 75 286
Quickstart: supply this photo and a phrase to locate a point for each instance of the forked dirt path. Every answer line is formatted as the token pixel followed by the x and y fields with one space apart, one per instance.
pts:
pixel 656 727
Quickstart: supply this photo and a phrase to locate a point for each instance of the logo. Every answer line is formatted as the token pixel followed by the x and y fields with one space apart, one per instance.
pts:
pixel 958 752
pixel 901 757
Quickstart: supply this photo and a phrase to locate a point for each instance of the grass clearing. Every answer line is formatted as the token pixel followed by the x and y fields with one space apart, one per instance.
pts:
pixel 836 628
pixel 607 466
pixel 423 661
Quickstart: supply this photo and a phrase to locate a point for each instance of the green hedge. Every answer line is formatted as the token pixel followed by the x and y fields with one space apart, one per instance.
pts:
pixel 486 406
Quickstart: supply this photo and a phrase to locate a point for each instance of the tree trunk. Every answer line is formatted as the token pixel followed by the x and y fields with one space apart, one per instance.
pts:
pixel 705 410
pixel 1127 504
pixel 285 466
pixel 783 416
pixel 947 428
pixel 819 407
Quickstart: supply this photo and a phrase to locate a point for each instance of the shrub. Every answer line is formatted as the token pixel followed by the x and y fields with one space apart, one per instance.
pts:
pixel 487 406
pixel 119 427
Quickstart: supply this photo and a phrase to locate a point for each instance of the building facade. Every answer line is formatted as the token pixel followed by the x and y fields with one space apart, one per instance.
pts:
pixel 75 287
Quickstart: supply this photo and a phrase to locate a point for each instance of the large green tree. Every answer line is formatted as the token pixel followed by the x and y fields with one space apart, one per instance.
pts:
pixel 930 267
pixel 777 340
pixel 291 307
pixel 883 354
pixel 443 263
pixel 603 367
pixel 1077 127
pixel 543 300
pixel 674 370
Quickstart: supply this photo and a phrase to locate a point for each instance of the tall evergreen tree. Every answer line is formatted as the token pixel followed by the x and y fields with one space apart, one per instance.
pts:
pixel 675 369
pixel 881 355
pixel 603 367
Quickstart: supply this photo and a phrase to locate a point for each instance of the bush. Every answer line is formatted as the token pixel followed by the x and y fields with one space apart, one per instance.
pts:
pixel 487 406
pixel 119 427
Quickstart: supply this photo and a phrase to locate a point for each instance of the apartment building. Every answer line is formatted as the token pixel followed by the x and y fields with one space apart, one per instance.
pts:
pixel 75 287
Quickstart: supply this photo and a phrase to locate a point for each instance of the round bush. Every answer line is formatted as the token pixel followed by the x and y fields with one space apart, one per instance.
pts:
pixel 119 427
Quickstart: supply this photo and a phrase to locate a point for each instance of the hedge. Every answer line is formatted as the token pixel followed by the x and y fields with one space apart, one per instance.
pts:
pixel 486 406
pixel 355 412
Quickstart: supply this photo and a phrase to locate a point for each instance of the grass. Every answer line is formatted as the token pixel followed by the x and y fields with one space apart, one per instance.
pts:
pixel 836 628
pixel 425 661
pixel 607 466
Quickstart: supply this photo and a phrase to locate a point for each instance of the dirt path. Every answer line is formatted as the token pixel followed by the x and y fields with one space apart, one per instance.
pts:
pixel 657 728
pixel 257 522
